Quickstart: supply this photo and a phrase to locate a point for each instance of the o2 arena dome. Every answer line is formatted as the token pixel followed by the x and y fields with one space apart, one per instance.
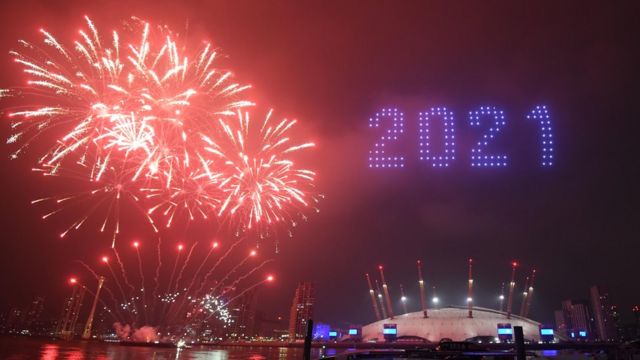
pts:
pixel 449 323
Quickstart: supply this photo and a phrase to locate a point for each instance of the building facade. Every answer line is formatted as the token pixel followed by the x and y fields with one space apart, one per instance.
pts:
pixel 577 317
pixel 301 310
pixel 603 314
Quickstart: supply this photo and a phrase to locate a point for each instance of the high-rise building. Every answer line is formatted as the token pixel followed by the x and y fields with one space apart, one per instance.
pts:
pixel 578 319
pixel 32 314
pixel 301 310
pixel 243 313
pixel 602 314
pixel 561 322
pixel 272 328
pixel 14 320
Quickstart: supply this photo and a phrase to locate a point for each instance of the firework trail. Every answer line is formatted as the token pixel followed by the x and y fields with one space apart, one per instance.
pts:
pixel 215 266
pixel 253 253
pixel 186 262
pixel 156 278
pixel 249 273
pixel 267 279
pixel 130 300
pixel 142 283
pixel 211 304
pixel 113 298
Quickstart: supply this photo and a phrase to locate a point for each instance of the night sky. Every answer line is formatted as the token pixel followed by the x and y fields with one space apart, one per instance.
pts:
pixel 332 65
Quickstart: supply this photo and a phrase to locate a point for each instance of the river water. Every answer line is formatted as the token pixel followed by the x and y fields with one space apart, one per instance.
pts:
pixel 22 348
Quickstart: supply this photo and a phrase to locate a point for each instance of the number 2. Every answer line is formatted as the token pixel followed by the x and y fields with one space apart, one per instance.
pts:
pixel 378 156
pixel 479 154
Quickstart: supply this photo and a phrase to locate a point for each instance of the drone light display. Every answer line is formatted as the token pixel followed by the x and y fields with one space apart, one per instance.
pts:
pixel 490 118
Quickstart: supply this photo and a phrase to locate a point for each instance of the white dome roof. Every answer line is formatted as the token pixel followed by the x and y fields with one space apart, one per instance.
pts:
pixel 452 323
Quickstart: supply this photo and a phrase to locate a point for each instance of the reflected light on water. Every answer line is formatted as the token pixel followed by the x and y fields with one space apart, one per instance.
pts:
pixel 49 352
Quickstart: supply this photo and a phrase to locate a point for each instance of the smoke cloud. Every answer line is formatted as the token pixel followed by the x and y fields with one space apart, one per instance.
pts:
pixel 143 334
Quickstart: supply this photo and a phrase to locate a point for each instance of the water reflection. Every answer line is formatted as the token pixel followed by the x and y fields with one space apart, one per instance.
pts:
pixel 46 349
pixel 49 352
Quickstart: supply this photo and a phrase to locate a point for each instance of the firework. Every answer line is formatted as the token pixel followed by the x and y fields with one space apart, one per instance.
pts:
pixel 177 304
pixel 130 106
pixel 262 185
pixel 148 124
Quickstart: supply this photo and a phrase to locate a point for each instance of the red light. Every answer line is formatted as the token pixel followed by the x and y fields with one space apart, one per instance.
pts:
pixel 215 244
pixel 180 247
pixel 136 244
pixel 73 281
pixel 380 267
pixel 514 264
pixel 105 259
pixel 253 253
pixel 270 278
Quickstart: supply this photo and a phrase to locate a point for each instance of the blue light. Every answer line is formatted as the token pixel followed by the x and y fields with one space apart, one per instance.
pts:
pixel 424 137
pixel 390 331
pixel 582 333
pixel 353 331
pixel 333 333
pixel 479 157
pixel 507 331
pixel 546 332
pixel 378 157
pixel 321 331
pixel 541 114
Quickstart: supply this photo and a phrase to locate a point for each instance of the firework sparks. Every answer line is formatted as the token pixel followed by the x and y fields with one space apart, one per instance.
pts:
pixel 262 185
pixel 131 104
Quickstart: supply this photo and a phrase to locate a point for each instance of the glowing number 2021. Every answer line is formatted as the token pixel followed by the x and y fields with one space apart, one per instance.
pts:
pixel 489 117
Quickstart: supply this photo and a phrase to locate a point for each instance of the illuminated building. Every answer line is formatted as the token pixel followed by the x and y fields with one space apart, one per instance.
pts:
pixel 32 314
pixel 578 319
pixel 561 322
pixel 301 310
pixel 602 314
pixel 243 313
pixel 14 320
pixel 451 322
pixel 270 327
